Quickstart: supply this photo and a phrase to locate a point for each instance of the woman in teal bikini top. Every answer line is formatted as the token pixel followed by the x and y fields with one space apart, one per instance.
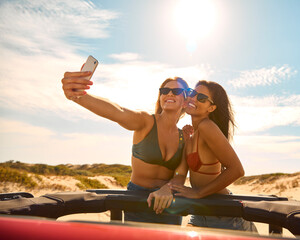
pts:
pixel 157 150
pixel 148 150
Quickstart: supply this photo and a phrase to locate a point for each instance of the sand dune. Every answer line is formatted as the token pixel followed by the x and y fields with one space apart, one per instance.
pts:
pixel 285 186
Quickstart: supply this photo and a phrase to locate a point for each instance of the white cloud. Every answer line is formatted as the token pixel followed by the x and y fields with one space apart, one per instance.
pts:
pixel 284 145
pixel 31 144
pixel 38 43
pixel 255 114
pixel 125 56
pixel 33 83
pixel 263 76
pixel 9 126
pixel 41 27
pixel 268 154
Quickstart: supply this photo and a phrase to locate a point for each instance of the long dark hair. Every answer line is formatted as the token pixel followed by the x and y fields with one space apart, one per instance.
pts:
pixel 184 84
pixel 223 115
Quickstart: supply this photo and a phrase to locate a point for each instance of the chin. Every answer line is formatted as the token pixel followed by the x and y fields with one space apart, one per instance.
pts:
pixel 190 111
pixel 170 107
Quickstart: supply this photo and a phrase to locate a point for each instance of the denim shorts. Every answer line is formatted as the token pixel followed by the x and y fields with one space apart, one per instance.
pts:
pixel 233 223
pixel 149 217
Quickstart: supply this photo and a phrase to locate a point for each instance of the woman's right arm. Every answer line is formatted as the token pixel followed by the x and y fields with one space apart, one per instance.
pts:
pixel 74 86
pixel 164 197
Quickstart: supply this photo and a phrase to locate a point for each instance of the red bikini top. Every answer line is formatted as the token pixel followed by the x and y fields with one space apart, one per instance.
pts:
pixel 195 163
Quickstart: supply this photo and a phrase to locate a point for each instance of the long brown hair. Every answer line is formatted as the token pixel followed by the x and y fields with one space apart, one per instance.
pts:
pixel 223 115
pixel 185 86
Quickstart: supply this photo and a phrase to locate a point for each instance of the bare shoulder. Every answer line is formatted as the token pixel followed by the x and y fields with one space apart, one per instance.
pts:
pixel 148 121
pixel 207 126
pixel 205 123
pixel 148 118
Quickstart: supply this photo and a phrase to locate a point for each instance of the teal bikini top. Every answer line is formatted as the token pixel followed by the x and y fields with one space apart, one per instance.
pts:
pixel 148 150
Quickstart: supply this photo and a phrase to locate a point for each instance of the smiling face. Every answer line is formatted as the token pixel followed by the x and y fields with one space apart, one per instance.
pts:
pixel 175 82
pixel 194 107
pixel 171 101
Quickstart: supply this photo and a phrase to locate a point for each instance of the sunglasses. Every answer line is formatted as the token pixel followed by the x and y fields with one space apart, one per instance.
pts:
pixel 200 96
pixel 175 91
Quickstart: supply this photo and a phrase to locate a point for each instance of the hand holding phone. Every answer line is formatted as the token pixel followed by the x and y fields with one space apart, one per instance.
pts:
pixel 73 79
pixel 90 66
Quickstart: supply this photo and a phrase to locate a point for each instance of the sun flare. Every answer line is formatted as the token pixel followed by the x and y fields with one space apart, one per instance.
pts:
pixel 194 19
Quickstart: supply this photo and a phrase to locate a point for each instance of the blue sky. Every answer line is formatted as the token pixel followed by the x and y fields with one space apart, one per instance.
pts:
pixel 249 47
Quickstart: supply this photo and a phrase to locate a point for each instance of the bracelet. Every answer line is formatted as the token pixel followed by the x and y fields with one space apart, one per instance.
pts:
pixel 75 97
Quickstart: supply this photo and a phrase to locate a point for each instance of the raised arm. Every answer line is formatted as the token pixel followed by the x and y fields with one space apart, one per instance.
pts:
pixel 75 85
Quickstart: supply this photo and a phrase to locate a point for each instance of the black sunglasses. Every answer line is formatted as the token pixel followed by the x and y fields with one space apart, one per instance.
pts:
pixel 200 96
pixel 175 91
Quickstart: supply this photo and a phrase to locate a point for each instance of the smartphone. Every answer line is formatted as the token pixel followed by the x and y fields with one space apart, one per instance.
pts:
pixel 90 65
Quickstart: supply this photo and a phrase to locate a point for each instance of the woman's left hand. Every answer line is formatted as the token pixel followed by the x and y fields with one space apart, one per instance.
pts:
pixel 188 130
pixel 185 191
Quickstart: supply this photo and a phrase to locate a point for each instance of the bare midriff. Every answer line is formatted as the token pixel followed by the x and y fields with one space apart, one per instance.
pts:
pixel 149 175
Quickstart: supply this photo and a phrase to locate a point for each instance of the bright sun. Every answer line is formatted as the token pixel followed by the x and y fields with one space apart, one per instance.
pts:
pixel 194 18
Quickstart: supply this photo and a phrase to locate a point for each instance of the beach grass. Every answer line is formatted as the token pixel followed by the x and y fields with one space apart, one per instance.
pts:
pixel 18 172
pixel 17 176
pixel 264 178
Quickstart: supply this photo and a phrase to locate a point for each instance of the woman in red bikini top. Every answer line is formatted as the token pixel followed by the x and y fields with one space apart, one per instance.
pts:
pixel 196 165
pixel 209 147
pixel 205 153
